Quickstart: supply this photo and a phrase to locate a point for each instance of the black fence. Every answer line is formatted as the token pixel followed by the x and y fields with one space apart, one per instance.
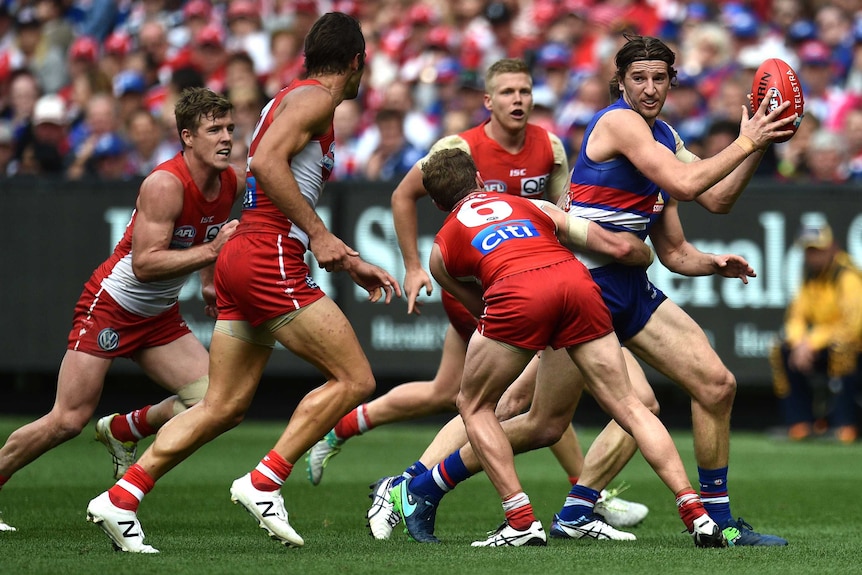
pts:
pixel 55 233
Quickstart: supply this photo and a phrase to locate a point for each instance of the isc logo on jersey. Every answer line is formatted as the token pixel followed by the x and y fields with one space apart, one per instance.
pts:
pixel 491 237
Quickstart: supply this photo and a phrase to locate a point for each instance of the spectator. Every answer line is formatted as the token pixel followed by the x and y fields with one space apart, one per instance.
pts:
pixel 454 122
pixel 7 147
pixel 149 146
pixel 210 57
pixel 94 18
pixel 347 123
pixel 110 160
pixel 417 128
pixel 395 155
pixel 45 61
pixel 129 89
pixel 153 42
pixel 240 76
pixel 24 90
pixel 853 82
pixel 720 134
pixel 792 156
pixel 544 103
pixel 247 102
pixel 44 146
pixel 686 109
pixel 853 135
pixel 100 119
pixel 835 28
pixel 823 95
pixel 56 30
pixel 196 14
pixel 826 157
pixel 552 69
pixel 286 48
pixel 822 339
pixel 246 34
pixel 115 54
pixel 82 89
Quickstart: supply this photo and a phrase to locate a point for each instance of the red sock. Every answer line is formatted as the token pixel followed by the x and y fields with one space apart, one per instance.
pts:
pixel 573 480
pixel 132 426
pixel 519 511
pixel 271 472
pixel 690 507
pixel 128 491
pixel 3 480
pixel 354 423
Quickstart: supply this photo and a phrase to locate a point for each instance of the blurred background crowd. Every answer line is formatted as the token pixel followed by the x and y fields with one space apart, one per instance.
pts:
pixel 87 86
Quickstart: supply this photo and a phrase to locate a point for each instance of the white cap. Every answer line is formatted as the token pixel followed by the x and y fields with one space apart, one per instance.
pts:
pixel 50 109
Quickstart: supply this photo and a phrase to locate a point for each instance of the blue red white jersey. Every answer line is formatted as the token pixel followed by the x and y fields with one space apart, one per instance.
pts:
pixel 199 222
pixel 526 174
pixel 615 194
pixel 311 167
pixel 489 236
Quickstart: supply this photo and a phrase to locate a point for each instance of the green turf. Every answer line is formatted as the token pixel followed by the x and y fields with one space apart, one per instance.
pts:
pixel 804 492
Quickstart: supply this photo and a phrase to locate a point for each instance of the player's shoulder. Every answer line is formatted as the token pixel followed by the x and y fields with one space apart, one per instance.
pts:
pixel 453 142
pixel 162 181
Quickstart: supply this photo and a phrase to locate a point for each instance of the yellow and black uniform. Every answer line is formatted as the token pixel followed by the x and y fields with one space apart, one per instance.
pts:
pixel 826 314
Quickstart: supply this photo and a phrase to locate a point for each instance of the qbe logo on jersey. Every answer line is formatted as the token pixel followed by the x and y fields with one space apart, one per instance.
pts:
pixel 491 237
pixel 534 187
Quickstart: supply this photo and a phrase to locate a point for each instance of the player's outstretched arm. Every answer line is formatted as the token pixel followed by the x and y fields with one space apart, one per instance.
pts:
pixel 682 257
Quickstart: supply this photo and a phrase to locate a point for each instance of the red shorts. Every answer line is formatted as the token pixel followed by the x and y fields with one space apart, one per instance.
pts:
pixel 262 275
pixel 557 306
pixel 102 328
pixel 461 319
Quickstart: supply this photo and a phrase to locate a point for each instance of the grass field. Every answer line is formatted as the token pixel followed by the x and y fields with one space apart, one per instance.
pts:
pixel 804 492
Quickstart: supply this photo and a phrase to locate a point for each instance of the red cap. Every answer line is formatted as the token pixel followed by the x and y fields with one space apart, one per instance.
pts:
pixel 84 48
pixel 421 14
pixel 815 52
pixel 243 9
pixel 118 43
pixel 197 9
pixel 309 6
pixel 210 36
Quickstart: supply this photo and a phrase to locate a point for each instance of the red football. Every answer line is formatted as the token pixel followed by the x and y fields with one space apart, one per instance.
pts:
pixel 776 80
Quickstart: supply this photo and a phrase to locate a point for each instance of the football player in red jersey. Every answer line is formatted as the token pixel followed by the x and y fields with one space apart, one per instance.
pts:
pixel 265 294
pixel 501 256
pixel 129 306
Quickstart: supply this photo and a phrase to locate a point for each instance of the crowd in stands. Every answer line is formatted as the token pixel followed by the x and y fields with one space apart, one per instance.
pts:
pixel 87 87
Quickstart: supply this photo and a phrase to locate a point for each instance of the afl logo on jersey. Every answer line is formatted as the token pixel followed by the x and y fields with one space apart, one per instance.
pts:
pixel 109 339
pixel 495 186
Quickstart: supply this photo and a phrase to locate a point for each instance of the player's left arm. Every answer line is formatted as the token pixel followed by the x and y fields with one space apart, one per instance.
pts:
pixel 468 293
pixel 581 233
pixel 682 257
pixel 720 198
pixel 560 177
pixel 159 204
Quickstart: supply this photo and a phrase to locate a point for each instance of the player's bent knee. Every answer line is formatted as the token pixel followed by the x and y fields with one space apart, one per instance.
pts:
pixel 720 393
pixel 190 394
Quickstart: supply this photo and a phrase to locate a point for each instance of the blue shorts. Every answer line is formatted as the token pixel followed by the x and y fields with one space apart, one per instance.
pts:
pixel 630 297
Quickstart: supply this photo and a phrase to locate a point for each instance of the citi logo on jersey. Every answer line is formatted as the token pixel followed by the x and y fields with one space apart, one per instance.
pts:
pixel 491 237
